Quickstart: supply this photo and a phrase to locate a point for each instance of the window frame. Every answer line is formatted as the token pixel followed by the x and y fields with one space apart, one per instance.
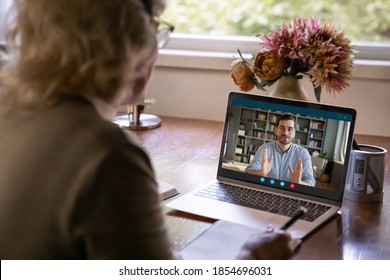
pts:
pixel 250 44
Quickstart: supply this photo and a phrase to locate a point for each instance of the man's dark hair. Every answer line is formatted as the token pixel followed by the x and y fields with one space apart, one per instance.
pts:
pixel 285 117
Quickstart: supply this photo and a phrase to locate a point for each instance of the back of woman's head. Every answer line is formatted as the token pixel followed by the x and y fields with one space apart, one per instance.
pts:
pixel 85 47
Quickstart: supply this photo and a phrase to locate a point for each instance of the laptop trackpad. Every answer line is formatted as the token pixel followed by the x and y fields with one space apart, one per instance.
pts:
pixel 243 215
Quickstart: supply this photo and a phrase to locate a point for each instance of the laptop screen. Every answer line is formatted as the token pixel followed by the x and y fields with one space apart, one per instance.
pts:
pixel 285 144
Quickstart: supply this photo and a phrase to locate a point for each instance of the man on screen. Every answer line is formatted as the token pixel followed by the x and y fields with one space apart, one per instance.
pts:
pixel 283 159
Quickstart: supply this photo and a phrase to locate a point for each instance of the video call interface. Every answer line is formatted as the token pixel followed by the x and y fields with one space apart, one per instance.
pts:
pixel 250 124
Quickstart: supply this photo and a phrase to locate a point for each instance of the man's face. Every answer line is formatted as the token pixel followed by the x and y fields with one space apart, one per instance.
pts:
pixel 285 132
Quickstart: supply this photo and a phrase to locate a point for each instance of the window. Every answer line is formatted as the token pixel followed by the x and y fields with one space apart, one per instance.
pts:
pixel 366 22
pixel 4 6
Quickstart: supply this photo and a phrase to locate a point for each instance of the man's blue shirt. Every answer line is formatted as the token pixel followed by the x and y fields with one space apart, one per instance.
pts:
pixel 281 161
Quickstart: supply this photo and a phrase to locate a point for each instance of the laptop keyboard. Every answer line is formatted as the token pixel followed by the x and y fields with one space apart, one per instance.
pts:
pixel 257 199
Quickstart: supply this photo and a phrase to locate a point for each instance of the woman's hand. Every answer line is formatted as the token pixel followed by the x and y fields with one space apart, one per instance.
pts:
pixel 267 246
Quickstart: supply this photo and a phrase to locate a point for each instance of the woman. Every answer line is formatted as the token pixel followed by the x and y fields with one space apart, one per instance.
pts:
pixel 72 184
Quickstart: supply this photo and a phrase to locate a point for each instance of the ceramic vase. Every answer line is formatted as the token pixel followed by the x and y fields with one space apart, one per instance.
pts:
pixel 288 87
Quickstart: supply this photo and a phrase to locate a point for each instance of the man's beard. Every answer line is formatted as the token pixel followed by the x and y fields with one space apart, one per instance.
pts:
pixel 284 139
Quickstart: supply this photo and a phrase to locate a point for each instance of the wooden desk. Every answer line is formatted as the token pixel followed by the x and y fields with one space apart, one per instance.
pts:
pixel 185 154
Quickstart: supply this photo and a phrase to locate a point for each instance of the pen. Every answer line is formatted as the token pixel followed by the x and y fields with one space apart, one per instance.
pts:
pixel 302 211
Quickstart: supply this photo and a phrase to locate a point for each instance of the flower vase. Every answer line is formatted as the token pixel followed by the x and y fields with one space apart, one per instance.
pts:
pixel 288 87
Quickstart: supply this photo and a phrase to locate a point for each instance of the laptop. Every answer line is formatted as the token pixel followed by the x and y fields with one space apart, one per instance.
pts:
pixel 260 201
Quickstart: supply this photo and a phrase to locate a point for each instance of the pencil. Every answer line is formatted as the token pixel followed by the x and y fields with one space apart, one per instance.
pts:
pixel 302 211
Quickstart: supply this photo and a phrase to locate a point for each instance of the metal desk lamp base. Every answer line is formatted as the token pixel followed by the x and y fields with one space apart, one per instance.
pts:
pixel 134 119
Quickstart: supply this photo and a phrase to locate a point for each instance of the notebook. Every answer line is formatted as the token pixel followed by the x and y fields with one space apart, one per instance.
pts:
pixel 166 190
pixel 263 201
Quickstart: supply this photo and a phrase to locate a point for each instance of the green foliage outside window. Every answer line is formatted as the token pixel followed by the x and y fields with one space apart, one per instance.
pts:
pixel 362 20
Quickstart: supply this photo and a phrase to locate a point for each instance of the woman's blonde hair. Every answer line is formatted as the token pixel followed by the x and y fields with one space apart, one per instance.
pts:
pixel 84 47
